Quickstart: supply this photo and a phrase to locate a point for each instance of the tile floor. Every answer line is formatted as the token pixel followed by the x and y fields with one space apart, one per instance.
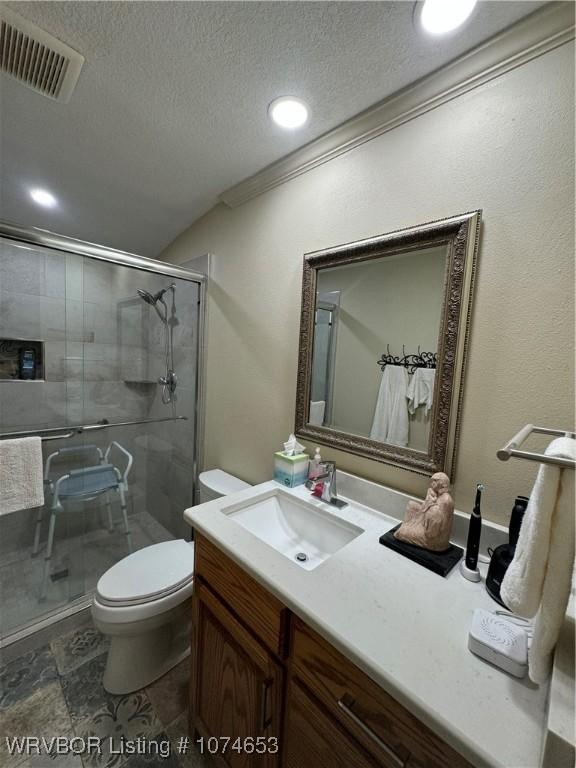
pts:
pixel 57 690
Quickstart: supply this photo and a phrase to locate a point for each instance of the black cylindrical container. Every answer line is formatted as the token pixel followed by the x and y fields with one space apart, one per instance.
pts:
pixel 499 562
pixel 503 555
pixel 516 519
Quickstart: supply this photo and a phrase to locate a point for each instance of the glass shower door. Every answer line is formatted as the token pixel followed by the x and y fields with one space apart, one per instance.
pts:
pixel 33 323
pixel 119 378
pixel 130 346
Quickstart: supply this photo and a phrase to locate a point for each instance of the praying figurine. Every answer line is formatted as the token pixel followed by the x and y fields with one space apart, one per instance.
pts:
pixel 429 524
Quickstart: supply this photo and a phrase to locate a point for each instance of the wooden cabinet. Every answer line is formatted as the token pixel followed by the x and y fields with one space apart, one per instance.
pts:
pixel 315 740
pixel 260 611
pixel 258 671
pixel 391 733
pixel 237 688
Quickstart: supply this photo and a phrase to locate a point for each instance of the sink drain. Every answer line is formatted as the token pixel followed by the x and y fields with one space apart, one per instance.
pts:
pixel 302 557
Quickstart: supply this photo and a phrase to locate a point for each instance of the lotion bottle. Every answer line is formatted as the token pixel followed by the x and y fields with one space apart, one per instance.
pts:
pixel 315 467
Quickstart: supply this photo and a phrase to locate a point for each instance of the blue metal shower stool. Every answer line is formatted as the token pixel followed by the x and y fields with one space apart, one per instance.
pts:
pixel 87 483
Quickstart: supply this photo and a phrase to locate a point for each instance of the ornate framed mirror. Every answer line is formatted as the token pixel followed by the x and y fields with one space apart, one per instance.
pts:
pixel 383 341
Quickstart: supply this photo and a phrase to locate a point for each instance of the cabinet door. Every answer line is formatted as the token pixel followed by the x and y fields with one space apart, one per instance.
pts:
pixel 314 740
pixel 236 689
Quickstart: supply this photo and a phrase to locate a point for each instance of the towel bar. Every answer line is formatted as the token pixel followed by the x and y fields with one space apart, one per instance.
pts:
pixel 54 433
pixel 511 447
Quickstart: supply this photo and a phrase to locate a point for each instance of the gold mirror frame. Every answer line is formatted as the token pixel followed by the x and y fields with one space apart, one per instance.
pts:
pixel 461 235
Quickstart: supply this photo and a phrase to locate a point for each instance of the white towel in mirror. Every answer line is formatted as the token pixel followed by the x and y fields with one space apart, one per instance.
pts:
pixel 421 389
pixel 21 474
pixel 317 408
pixel 390 423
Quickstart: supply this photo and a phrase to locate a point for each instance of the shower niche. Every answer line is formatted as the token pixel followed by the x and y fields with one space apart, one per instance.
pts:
pixel 21 360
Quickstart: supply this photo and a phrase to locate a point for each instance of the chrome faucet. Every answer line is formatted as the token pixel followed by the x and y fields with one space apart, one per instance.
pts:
pixel 329 491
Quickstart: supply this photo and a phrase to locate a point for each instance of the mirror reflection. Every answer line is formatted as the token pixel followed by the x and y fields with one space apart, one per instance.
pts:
pixel 376 331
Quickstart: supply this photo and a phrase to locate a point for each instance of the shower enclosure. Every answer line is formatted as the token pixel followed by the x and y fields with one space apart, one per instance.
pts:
pixel 100 355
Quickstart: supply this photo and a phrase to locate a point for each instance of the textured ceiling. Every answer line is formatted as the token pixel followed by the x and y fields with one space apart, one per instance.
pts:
pixel 170 108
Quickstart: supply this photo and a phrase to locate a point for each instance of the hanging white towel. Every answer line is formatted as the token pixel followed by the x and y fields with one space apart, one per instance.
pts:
pixel 538 580
pixel 21 476
pixel 390 423
pixel 317 408
pixel 421 389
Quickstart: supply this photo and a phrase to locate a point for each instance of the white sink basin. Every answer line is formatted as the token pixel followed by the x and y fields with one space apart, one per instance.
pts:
pixel 296 528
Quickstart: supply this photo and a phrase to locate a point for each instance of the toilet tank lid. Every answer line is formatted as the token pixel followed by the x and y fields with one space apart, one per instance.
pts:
pixel 220 482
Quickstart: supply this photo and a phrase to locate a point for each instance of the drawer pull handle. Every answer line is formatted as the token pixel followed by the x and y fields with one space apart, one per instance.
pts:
pixel 264 720
pixel 370 733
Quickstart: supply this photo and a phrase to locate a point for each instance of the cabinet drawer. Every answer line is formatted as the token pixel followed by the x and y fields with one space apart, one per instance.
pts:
pixel 377 720
pixel 314 740
pixel 260 611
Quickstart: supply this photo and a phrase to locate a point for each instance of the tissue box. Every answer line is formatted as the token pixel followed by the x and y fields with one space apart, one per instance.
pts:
pixel 291 470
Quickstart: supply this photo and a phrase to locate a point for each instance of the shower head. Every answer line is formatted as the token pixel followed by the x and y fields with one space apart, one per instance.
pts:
pixel 154 298
pixel 148 298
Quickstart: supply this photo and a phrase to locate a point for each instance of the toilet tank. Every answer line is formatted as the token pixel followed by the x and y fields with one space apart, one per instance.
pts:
pixel 215 483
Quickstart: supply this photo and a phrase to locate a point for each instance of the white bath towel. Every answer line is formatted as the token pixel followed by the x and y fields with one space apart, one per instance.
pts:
pixel 317 408
pixel 390 423
pixel 539 578
pixel 421 389
pixel 21 475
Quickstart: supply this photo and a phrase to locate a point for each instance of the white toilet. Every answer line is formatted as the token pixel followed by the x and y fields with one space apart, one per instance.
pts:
pixel 143 603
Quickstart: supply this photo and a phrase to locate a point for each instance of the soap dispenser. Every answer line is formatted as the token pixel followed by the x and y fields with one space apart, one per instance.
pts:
pixel 315 467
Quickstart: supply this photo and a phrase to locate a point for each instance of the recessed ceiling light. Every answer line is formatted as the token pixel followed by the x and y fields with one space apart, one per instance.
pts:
pixel 43 197
pixel 288 112
pixel 441 16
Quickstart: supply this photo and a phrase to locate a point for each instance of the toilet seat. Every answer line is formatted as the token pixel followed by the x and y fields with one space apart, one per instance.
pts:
pixel 148 575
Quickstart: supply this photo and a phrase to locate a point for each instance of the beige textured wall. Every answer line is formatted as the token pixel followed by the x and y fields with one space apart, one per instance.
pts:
pixel 506 147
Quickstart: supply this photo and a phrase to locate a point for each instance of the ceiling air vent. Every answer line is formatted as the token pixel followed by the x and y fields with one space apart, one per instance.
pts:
pixel 37 59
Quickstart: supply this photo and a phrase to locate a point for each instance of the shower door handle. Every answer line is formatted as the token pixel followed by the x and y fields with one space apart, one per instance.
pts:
pixel 58 437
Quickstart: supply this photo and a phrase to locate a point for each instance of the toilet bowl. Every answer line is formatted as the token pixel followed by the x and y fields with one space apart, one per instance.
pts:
pixel 143 603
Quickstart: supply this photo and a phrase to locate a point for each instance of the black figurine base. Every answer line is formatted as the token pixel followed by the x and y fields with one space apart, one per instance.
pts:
pixel 437 562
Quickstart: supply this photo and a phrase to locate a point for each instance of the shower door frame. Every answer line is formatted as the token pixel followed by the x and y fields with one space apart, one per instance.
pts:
pixel 46 239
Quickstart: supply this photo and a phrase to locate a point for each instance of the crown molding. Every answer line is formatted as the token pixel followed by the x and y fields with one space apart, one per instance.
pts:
pixel 538 33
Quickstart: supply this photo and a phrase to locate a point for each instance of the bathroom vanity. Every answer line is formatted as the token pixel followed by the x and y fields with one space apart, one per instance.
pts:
pixel 359 659
pixel 258 670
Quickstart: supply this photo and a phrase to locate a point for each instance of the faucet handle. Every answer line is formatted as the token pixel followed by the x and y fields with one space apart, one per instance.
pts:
pixel 324 485
pixel 329 487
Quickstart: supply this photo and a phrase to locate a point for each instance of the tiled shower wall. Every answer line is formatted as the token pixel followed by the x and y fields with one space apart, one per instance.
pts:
pixel 170 445
pixel 95 331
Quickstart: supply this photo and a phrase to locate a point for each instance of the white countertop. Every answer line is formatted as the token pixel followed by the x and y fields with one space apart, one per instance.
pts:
pixel 403 625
